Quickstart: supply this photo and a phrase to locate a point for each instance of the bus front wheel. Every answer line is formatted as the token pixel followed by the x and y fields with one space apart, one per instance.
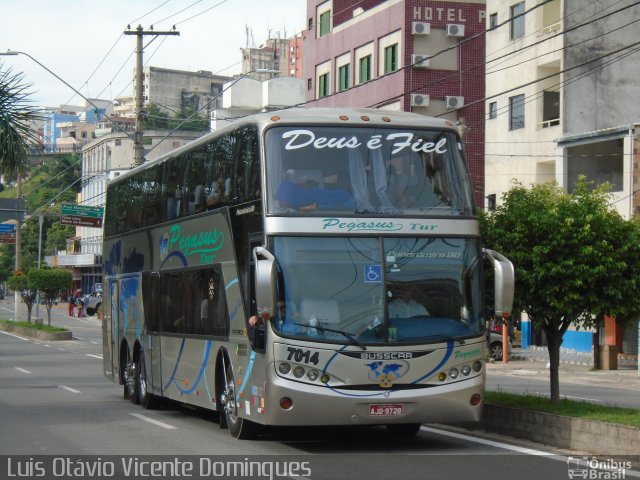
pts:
pixel 238 427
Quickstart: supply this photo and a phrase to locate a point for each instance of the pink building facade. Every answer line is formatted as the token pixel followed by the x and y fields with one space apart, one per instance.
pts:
pixel 410 55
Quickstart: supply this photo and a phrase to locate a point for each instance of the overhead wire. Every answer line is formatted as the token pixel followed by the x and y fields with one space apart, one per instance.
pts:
pixel 359 2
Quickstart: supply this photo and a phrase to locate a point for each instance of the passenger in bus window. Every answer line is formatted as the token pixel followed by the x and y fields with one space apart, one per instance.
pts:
pixel 308 196
pixel 218 193
pixel 403 305
pixel 198 199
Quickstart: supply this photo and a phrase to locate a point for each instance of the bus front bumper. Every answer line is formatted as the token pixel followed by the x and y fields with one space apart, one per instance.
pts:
pixel 324 405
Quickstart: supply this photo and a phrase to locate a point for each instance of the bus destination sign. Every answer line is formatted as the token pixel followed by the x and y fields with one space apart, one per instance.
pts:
pixel 81 215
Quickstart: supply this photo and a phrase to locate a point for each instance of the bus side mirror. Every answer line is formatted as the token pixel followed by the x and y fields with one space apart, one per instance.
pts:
pixel 504 282
pixel 265 287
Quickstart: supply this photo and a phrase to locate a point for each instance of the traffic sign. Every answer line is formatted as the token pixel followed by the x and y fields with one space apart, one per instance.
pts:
pixel 82 210
pixel 81 215
pixel 7 227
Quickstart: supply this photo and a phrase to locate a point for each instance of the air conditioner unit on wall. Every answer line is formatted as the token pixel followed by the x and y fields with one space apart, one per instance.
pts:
pixel 420 28
pixel 455 30
pixel 454 102
pixel 420 61
pixel 419 100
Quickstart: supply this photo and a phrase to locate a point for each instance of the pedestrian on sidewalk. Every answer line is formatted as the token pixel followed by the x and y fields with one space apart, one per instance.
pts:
pixel 72 304
pixel 80 304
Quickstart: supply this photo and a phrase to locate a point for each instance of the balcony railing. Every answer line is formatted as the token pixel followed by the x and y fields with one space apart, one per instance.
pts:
pixel 551 28
pixel 549 123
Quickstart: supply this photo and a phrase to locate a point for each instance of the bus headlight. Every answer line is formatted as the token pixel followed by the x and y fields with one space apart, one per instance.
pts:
pixel 466 370
pixel 313 375
pixel 298 372
pixel 284 368
pixel 477 366
pixel 453 373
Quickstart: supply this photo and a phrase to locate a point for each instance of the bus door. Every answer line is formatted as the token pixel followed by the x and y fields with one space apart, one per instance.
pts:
pixel 257 335
pixel 110 329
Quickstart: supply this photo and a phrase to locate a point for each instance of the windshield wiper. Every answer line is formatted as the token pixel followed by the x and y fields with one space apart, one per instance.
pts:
pixel 347 335
pixel 444 337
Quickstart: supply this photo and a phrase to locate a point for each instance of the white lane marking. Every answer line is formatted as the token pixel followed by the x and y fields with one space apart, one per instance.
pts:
pixel 16 336
pixel 514 448
pixel 155 422
pixel 484 441
pixel 69 389
pixel 22 370
pixel 94 356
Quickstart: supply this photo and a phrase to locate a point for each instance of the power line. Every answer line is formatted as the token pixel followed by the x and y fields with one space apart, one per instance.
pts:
pixel 458 73
pixel 149 12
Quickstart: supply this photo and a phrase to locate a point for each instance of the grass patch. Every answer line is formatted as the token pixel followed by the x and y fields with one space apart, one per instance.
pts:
pixel 570 408
pixel 33 326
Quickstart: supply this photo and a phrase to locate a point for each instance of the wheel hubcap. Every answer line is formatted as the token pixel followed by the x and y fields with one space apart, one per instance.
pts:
pixel 130 376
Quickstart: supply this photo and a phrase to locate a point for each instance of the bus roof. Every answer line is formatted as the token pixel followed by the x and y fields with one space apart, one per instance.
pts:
pixel 311 116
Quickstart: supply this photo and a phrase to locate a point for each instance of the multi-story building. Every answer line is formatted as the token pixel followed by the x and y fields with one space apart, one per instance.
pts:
pixel 296 56
pixel 273 55
pixel 560 101
pixel 58 123
pixel 175 90
pixel 409 55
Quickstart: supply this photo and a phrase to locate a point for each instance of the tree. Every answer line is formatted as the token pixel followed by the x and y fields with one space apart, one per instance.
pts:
pixel 20 283
pixel 155 117
pixel 16 136
pixel 51 283
pixel 575 260
pixel 16 116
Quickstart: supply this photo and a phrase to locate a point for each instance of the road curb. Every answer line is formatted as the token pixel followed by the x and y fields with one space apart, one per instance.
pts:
pixel 594 437
pixel 34 333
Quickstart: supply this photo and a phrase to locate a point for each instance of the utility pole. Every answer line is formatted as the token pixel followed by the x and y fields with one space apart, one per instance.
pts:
pixel 138 154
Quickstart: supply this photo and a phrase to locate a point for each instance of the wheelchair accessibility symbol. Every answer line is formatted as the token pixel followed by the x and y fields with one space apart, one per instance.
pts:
pixel 372 273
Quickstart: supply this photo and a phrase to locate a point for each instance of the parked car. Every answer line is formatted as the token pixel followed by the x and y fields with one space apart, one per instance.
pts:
pixel 495 345
pixel 93 302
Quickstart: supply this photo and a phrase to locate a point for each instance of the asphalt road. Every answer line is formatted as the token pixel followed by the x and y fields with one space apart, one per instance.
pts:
pixel 56 405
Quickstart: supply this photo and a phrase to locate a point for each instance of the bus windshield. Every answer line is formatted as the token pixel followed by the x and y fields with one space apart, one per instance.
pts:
pixel 361 291
pixel 342 171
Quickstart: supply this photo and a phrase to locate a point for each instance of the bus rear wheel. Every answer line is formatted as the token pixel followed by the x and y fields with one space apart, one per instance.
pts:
pixel 238 427
pixel 146 399
pixel 128 376
pixel 403 429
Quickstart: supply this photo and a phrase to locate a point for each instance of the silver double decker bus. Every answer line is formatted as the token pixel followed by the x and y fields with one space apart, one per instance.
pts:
pixel 302 267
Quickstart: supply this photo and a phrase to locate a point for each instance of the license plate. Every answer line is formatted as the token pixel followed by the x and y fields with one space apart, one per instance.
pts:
pixel 380 410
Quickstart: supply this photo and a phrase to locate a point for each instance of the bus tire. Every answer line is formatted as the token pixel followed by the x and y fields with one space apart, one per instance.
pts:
pixel 403 429
pixel 146 399
pixel 126 368
pixel 239 428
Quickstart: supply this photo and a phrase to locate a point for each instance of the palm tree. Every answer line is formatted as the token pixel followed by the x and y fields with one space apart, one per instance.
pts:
pixel 16 135
pixel 16 117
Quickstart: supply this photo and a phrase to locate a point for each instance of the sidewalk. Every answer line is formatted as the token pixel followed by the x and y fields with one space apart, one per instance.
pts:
pixel 575 367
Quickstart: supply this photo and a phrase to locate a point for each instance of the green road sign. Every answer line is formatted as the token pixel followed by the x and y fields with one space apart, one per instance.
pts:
pixel 82 210
pixel 81 215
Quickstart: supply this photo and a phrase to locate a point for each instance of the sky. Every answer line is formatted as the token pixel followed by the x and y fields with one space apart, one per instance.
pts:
pixel 82 41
